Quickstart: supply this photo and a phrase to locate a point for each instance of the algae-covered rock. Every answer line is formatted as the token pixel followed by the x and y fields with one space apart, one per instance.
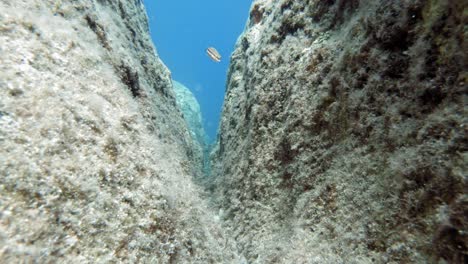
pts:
pixel 190 108
pixel 96 161
pixel 343 133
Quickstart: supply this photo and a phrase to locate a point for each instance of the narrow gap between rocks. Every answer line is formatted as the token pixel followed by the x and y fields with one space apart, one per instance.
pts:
pixel 181 41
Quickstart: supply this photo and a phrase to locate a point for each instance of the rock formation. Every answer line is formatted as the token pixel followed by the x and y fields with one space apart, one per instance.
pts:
pixel 95 157
pixel 190 108
pixel 343 133
pixel 342 139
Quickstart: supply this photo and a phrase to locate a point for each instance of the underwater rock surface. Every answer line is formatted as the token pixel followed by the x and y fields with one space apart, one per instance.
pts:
pixel 190 108
pixel 96 161
pixel 343 133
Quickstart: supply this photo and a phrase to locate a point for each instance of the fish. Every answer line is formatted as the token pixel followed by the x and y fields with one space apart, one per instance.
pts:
pixel 213 54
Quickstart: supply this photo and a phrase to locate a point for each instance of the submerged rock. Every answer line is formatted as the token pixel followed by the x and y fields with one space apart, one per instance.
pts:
pixel 343 133
pixel 192 115
pixel 96 161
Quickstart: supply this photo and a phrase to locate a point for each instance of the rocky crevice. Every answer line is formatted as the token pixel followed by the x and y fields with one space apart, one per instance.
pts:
pixel 342 139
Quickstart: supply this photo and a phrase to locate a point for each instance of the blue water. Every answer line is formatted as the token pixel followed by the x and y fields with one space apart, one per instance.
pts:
pixel 182 30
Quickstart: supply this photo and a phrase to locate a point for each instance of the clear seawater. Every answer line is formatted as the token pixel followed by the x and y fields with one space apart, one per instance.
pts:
pixel 182 30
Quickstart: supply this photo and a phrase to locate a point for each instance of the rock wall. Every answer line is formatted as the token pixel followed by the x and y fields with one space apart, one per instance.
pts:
pixel 192 115
pixel 95 158
pixel 343 133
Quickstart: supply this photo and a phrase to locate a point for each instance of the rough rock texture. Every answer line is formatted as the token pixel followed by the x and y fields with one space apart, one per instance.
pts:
pixel 343 136
pixel 95 157
pixel 190 108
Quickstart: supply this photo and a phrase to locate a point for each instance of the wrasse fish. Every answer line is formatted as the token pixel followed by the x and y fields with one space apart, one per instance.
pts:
pixel 213 54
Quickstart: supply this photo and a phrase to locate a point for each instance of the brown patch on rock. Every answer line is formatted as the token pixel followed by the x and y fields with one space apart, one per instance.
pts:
pixel 256 14
pixel 451 239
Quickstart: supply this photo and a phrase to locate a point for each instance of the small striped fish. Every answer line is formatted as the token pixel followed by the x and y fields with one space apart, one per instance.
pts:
pixel 213 54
